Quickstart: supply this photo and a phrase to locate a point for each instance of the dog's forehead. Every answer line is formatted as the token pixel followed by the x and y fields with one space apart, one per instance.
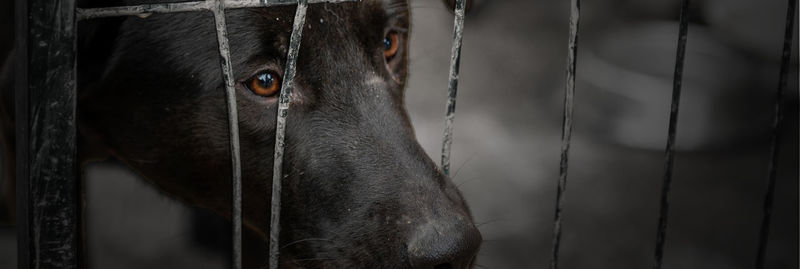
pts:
pixel 366 6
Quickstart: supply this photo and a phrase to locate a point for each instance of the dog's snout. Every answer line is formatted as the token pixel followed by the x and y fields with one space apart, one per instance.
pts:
pixel 444 244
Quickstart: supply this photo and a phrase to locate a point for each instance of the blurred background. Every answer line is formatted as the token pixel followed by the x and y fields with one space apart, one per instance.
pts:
pixel 507 141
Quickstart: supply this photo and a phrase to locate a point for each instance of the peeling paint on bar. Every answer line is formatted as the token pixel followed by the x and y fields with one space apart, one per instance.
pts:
pixel 143 10
pixel 284 102
pixel 669 157
pixel 566 133
pixel 84 14
pixel 233 128
pixel 265 3
pixel 452 90
pixel 48 185
pixel 776 137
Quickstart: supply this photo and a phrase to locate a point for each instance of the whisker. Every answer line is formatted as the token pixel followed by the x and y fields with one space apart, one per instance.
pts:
pixel 298 261
pixel 488 222
pixel 306 240
pixel 312 259
pixel 462 165
pixel 468 180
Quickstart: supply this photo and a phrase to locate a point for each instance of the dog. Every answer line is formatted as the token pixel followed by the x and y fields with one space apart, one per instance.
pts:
pixel 151 95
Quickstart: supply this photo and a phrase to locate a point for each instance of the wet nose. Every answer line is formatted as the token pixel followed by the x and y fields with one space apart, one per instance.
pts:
pixel 444 244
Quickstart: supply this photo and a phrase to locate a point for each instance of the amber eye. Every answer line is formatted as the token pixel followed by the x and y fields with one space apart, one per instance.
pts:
pixel 265 84
pixel 390 45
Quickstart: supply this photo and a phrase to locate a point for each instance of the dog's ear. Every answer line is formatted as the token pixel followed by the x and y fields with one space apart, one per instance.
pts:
pixel 451 4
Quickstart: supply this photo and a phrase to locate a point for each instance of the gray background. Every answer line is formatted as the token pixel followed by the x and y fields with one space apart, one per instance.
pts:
pixel 507 140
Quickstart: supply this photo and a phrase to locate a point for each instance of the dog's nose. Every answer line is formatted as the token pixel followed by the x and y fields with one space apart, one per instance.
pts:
pixel 441 244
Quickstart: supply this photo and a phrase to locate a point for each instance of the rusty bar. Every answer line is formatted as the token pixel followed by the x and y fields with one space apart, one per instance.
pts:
pixel 452 90
pixel 284 102
pixel 669 156
pixel 264 3
pixel 233 128
pixel 566 133
pixel 91 13
pixel 776 137
pixel 48 204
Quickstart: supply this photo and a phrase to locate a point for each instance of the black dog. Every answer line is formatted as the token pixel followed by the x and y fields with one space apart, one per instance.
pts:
pixel 151 95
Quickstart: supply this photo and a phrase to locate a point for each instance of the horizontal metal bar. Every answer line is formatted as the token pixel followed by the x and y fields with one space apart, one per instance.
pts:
pixel 140 10
pixel 91 13
pixel 231 4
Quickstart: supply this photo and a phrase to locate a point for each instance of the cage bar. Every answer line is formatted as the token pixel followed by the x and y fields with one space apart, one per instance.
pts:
pixel 48 185
pixel 452 89
pixel 233 129
pixel 669 156
pixel 776 135
pixel 284 102
pixel 566 133
pixel 138 10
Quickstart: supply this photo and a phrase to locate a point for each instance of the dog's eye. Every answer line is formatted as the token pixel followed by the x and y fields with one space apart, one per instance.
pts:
pixel 266 84
pixel 390 45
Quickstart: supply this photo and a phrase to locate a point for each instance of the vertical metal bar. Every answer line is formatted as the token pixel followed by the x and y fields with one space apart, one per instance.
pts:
pixel 218 8
pixel 566 133
pixel 452 89
pixel 284 103
pixel 46 136
pixel 673 128
pixel 776 137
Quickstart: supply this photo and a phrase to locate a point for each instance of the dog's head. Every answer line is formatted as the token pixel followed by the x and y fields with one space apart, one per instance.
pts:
pixel 358 192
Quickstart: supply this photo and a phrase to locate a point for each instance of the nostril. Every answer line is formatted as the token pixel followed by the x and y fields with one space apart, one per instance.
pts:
pixel 443 266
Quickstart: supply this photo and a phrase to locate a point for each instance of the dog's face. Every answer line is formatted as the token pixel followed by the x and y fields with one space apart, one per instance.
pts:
pixel 358 192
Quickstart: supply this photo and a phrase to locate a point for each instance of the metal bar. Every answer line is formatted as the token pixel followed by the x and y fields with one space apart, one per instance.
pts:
pixel 266 3
pixel 284 102
pixel 91 13
pixel 566 133
pixel 46 135
pixel 776 137
pixel 452 90
pixel 669 157
pixel 233 128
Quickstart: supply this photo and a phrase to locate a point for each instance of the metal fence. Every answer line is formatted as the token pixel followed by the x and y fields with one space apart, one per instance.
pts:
pixel 48 185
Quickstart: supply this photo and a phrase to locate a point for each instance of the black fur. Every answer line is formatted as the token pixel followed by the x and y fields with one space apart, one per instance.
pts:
pixel 357 182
